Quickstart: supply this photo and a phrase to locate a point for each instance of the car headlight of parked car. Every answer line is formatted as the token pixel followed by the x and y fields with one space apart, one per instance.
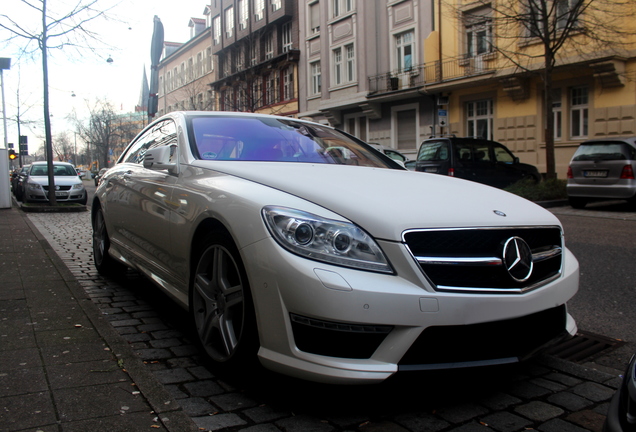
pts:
pixel 34 186
pixel 320 239
pixel 77 187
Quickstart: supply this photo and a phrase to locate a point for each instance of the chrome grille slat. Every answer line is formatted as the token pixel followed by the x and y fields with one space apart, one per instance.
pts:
pixel 471 259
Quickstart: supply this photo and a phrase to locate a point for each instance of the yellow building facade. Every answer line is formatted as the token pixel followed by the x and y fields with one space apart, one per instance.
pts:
pixel 487 74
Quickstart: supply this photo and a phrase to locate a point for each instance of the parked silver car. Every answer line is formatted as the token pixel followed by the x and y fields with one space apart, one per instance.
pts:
pixel 602 169
pixel 68 185
pixel 291 242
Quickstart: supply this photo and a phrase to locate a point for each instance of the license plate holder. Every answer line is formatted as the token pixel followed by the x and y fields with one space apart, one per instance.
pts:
pixel 595 173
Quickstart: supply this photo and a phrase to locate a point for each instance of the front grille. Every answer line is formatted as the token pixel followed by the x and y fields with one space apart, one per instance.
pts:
pixel 328 338
pixel 495 342
pixel 472 259
pixel 61 188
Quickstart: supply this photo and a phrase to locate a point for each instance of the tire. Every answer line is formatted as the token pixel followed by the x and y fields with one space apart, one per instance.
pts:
pixel 104 263
pixel 221 304
pixel 577 203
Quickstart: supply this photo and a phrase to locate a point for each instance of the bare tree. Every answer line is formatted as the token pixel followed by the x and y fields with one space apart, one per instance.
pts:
pixel 536 36
pixel 63 147
pixel 56 30
pixel 106 131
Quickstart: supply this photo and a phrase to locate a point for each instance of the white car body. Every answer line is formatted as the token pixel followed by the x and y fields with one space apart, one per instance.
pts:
pixel 313 316
pixel 68 185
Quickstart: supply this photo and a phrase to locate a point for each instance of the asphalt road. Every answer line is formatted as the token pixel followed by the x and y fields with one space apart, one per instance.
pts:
pixel 603 238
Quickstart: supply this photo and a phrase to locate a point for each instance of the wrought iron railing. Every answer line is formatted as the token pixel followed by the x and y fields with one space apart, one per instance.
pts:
pixel 429 73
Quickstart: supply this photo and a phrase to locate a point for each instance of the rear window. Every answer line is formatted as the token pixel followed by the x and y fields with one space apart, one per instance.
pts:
pixel 434 151
pixel 277 140
pixel 604 151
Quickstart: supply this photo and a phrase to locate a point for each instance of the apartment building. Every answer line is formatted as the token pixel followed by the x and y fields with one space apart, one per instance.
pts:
pixel 187 69
pixel 257 48
pixel 361 69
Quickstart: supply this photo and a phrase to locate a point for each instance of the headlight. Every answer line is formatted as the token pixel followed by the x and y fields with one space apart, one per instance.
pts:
pixel 320 239
pixel 34 186
pixel 77 186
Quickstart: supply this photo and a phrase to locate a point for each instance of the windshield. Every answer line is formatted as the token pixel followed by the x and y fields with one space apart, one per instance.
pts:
pixel 279 140
pixel 604 151
pixel 433 151
pixel 58 170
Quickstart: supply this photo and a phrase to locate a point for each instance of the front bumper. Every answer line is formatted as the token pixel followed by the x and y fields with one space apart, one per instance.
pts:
pixel 333 324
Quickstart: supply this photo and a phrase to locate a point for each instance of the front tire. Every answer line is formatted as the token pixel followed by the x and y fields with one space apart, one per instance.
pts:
pixel 104 263
pixel 221 304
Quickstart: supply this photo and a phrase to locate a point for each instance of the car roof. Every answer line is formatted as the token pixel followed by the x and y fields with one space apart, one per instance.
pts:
pixel 629 140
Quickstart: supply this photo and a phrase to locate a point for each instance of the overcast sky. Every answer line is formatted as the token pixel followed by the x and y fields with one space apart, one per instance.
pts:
pixel 125 38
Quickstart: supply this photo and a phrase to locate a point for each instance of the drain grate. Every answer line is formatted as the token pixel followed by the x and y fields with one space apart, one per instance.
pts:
pixel 584 346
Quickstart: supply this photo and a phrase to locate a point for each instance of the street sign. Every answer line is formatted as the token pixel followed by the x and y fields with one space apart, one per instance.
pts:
pixel 442 117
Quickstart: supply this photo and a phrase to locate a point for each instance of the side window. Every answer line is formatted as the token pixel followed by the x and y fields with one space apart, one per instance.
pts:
pixel 162 134
pixel 502 155
pixel 482 153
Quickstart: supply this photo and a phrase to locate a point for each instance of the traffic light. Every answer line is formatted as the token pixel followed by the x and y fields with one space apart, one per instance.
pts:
pixel 12 155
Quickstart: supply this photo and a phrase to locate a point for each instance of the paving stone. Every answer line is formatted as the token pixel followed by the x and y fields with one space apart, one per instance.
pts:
pixel 196 407
pixel 587 419
pixel 233 401
pixel 383 426
pixel 558 425
pixel 264 414
pixel 471 427
pixel 506 422
pixel 203 388
pixel 421 421
pixel 304 424
pixel 500 401
pixel 593 391
pixel 569 401
pixel 153 354
pixel 539 411
pixel 171 376
pixel 219 421
pixel 527 390
pixel 461 412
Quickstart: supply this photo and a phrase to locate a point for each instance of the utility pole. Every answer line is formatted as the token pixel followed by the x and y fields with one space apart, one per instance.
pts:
pixel 5 194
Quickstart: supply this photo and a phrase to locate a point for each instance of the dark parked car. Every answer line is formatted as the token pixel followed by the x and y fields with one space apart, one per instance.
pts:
pixel 621 416
pixel 475 159
pixel 602 169
pixel 17 181
pixel 99 175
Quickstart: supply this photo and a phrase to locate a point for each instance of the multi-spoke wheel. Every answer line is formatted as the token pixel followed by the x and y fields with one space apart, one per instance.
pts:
pixel 221 303
pixel 104 263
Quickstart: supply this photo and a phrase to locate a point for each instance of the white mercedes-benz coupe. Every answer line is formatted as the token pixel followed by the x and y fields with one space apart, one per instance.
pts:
pixel 299 245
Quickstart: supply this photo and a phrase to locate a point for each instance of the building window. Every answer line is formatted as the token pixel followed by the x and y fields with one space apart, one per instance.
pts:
pixel 286 33
pixel 271 88
pixel 316 78
pixel 405 50
pixel 579 112
pixel 341 7
pixel 257 93
pixel 269 46
pixel 240 59
pixel 217 30
pixel 229 22
pixel 244 14
pixel 337 66
pixel 259 9
pixel 276 4
pixel 288 83
pixel 209 64
pixel 254 53
pixel 314 19
pixel 479 119
pixel 351 63
pixel 557 113
pixel 478 27
pixel 567 10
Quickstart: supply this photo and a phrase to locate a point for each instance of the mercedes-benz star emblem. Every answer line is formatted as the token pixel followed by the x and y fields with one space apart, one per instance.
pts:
pixel 517 258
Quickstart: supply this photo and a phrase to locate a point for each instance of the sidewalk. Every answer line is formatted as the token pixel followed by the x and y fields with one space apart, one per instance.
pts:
pixel 62 366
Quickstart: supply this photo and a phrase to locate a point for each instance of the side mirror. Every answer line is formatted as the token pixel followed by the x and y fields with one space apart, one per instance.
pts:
pixel 161 158
pixel 516 160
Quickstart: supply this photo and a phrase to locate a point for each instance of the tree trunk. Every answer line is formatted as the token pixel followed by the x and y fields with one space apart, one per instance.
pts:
pixel 47 117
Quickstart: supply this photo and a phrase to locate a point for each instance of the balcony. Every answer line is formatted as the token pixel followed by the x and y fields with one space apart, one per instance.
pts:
pixel 430 73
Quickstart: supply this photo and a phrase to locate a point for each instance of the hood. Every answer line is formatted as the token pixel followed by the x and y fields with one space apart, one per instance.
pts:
pixel 387 202
pixel 59 180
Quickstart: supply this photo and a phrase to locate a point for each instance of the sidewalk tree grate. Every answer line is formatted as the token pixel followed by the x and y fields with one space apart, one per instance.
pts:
pixel 584 346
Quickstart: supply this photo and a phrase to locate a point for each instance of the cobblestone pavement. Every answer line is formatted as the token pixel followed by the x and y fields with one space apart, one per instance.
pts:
pixel 547 394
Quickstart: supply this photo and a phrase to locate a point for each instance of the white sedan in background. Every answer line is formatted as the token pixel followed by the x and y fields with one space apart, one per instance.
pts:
pixel 292 243
pixel 68 185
